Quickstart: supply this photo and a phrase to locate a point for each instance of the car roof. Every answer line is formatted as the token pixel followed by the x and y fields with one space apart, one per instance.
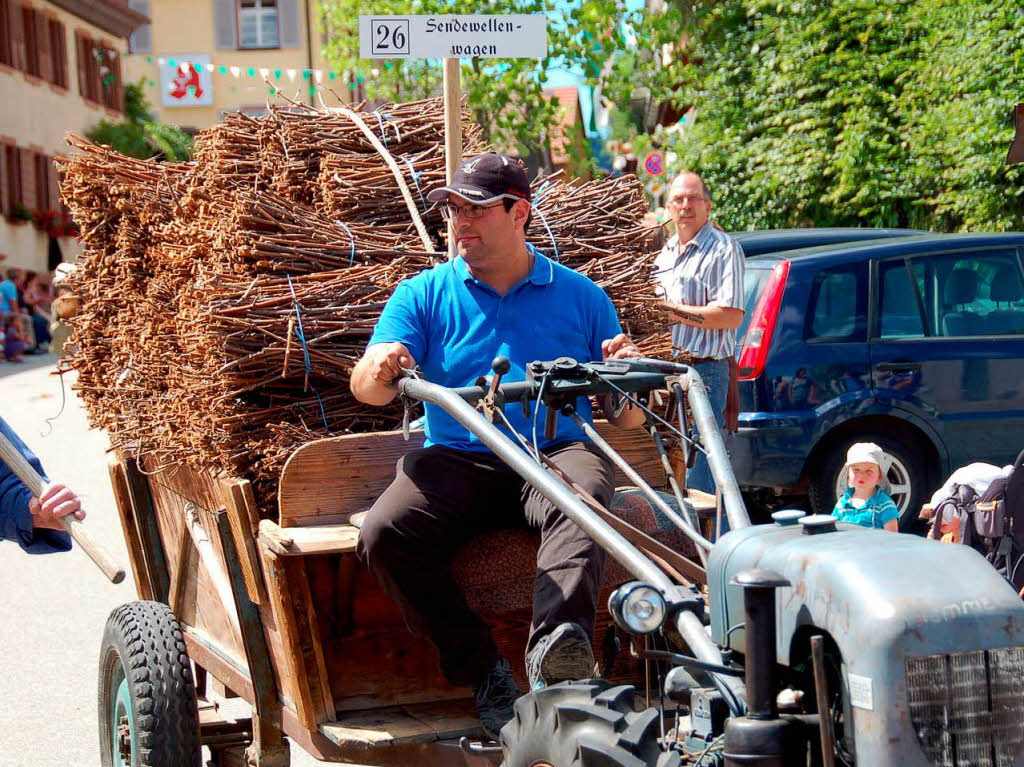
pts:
pixel 896 246
pixel 758 241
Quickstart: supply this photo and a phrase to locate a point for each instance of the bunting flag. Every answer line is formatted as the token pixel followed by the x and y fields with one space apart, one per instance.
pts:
pixel 266 73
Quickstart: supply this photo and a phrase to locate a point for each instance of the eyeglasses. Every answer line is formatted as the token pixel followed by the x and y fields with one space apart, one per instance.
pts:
pixel 678 200
pixel 451 212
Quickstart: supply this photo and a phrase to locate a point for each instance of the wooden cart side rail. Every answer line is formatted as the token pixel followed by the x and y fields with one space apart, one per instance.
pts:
pixel 326 481
pixel 130 528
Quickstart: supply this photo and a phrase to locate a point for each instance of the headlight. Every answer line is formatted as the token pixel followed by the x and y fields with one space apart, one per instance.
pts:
pixel 637 608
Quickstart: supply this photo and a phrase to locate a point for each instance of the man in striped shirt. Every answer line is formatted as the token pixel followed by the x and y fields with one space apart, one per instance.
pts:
pixel 700 273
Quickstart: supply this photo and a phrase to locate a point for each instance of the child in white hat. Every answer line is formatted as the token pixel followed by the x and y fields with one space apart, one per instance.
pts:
pixel 866 500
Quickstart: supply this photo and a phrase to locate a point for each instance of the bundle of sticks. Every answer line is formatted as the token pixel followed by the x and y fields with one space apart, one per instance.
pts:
pixel 226 300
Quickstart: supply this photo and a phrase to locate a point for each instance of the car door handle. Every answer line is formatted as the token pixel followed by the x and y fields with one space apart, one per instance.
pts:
pixel 898 366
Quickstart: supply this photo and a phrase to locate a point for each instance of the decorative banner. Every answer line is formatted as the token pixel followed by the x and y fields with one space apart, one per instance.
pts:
pixel 185 81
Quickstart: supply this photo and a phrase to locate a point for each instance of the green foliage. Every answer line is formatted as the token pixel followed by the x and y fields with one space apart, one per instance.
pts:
pixel 140 134
pixel 856 112
pixel 607 45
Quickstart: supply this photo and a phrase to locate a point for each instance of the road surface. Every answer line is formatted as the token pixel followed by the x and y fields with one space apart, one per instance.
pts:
pixel 53 608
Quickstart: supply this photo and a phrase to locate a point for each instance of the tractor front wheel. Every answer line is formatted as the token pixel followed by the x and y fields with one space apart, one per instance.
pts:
pixel 583 724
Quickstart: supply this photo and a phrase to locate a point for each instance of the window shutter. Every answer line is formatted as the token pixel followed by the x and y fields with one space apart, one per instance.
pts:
pixel 225 24
pixel 54 178
pixel 17 35
pixel 42 181
pixel 81 66
pixel 5 180
pixel 28 181
pixel 117 86
pixel 141 39
pixel 59 42
pixel 5 33
pixel 45 54
pixel 288 23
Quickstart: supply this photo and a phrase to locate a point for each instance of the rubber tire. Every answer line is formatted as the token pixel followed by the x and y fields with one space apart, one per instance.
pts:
pixel 146 640
pixel 583 724
pixel 825 472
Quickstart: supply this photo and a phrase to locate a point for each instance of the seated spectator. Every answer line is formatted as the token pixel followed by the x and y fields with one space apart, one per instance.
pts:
pixel 19 278
pixel 38 298
pixel 14 341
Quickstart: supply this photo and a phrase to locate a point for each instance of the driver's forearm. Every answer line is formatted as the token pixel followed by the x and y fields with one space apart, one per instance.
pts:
pixel 366 388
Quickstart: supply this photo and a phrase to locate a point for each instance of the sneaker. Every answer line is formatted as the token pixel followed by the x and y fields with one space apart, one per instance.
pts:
pixel 495 697
pixel 564 654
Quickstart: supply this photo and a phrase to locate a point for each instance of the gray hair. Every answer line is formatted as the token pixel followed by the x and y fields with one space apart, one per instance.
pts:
pixel 703 187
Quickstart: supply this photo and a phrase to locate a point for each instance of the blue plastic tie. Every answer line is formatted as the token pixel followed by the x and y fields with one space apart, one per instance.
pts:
pixel 416 180
pixel 554 245
pixel 301 335
pixel 351 241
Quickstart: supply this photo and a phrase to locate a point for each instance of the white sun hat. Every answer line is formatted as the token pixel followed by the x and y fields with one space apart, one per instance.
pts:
pixel 868 452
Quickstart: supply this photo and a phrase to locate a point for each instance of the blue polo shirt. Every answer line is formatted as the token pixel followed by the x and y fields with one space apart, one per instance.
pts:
pixel 454 325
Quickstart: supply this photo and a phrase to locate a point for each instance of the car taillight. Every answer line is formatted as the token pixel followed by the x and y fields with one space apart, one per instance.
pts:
pixel 762 324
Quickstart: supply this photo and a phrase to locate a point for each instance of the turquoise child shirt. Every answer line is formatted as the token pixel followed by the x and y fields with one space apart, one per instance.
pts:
pixel 875 513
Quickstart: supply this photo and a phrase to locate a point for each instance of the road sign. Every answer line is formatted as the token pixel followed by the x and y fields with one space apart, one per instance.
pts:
pixel 654 163
pixel 513 36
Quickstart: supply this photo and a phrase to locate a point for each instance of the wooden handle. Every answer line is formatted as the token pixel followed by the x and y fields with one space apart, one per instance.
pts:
pixel 17 463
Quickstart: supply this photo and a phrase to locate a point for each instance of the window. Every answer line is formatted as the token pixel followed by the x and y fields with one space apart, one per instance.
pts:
pixel 257 24
pixel 140 40
pixel 899 316
pixel 99 72
pixel 838 305
pixel 960 295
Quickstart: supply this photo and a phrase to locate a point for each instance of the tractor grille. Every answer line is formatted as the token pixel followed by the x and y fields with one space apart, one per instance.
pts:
pixel 968 707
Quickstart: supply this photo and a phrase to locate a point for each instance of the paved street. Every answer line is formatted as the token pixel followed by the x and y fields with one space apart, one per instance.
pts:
pixel 53 608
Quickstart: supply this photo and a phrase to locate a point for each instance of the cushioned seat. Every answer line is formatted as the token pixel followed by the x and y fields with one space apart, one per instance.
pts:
pixel 961 289
pixel 496 571
pixel 1006 288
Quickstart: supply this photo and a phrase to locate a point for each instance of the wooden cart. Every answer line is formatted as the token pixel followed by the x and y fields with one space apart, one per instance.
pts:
pixel 284 615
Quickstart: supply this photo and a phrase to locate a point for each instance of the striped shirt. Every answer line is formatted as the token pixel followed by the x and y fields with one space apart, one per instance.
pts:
pixel 705 271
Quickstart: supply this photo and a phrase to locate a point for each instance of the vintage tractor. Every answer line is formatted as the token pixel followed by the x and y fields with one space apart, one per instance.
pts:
pixel 800 642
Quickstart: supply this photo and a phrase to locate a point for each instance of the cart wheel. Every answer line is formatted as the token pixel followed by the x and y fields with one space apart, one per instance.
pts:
pixel 147 698
pixel 585 724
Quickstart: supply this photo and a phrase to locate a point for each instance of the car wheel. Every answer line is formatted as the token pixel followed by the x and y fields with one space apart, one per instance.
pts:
pixel 907 474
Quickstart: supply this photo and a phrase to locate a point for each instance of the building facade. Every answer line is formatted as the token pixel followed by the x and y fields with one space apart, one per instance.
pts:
pixel 199 59
pixel 60 71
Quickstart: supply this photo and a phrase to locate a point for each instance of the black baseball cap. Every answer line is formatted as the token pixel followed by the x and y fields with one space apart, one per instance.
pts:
pixel 485 178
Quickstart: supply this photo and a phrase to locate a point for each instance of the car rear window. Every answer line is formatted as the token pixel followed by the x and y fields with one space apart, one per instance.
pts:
pixel 837 311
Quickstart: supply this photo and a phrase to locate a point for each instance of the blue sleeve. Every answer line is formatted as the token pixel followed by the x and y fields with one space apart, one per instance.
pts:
pixel 888 511
pixel 402 321
pixel 15 518
pixel 605 323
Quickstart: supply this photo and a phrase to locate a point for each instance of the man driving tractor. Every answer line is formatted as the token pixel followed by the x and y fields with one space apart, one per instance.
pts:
pixel 499 297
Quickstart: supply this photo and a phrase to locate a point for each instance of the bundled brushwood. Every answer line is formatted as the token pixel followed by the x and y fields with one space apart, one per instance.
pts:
pixel 226 300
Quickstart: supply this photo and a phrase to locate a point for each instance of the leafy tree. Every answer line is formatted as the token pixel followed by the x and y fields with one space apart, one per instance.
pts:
pixel 855 112
pixel 140 134
pixel 606 44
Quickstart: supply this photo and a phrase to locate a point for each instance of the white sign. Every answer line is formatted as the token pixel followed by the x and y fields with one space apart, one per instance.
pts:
pixel 860 691
pixel 186 81
pixel 515 36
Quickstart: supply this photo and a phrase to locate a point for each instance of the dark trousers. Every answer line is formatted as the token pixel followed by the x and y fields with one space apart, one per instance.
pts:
pixel 441 499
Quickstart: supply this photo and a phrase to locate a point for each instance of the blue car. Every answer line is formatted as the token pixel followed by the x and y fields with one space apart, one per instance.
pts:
pixel 914 343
